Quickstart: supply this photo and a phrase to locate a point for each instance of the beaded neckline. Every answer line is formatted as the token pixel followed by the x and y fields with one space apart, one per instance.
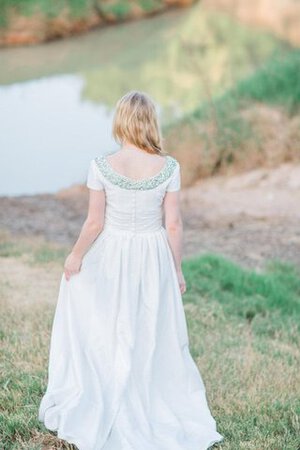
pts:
pixel 129 183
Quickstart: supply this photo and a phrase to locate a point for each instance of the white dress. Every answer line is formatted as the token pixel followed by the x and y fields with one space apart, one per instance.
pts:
pixel 121 376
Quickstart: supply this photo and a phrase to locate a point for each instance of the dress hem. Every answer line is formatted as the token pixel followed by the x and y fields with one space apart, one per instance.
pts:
pixel 80 445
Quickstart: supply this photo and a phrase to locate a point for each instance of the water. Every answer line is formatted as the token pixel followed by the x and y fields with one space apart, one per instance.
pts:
pixel 53 123
pixel 57 99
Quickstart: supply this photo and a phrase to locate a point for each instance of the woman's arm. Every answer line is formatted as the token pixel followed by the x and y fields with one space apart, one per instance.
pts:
pixel 89 231
pixel 174 228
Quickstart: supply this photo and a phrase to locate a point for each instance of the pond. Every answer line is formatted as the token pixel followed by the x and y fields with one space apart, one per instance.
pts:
pixel 57 99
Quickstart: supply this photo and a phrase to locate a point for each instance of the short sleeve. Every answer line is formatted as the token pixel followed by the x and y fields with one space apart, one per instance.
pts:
pixel 175 181
pixel 93 178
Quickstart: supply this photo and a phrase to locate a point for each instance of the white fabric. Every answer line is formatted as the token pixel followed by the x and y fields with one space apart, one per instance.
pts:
pixel 175 180
pixel 93 179
pixel 121 376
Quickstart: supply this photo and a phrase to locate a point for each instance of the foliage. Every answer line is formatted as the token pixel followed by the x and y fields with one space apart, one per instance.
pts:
pixel 276 82
pixel 49 8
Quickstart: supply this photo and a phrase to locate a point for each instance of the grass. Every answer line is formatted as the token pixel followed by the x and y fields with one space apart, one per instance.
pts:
pixel 244 332
pixel 277 83
pixel 196 54
pixel 244 335
pixel 277 289
pixel 240 126
pixel 51 9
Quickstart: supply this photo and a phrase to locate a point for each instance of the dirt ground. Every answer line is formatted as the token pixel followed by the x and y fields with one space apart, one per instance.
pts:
pixel 250 218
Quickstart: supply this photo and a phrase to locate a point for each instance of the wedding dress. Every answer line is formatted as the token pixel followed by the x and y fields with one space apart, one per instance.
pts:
pixel 121 376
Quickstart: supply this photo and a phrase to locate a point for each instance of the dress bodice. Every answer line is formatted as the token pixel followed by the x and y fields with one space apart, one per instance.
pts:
pixel 131 205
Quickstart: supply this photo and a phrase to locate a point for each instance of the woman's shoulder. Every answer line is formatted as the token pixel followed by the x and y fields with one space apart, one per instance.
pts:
pixel 172 158
pixel 103 156
pixel 176 160
pixel 174 164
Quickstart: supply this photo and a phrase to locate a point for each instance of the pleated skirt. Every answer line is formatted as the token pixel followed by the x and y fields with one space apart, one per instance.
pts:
pixel 120 375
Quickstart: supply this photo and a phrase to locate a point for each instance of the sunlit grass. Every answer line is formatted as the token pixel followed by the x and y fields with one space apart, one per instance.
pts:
pixel 277 83
pixel 244 335
pixel 238 127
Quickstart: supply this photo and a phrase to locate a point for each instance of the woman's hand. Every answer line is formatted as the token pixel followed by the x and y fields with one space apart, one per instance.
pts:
pixel 181 281
pixel 72 265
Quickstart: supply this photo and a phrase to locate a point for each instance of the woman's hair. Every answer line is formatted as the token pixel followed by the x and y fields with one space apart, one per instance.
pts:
pixel 135 121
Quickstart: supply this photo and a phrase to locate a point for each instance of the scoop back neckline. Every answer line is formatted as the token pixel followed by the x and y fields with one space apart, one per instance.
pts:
pixel 132 180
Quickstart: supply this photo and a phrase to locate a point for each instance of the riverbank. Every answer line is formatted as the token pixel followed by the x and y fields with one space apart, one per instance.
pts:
pixel 36 22
pixel 255 123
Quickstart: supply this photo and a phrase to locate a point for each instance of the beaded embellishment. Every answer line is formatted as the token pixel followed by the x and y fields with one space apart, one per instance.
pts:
pixel 128 183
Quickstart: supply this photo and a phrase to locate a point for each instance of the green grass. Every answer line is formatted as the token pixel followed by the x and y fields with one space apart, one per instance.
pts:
pixel 24 339
pixel 49 8
pixel 225 132
pixel 270 301
pixel 277 289
pixel 276 83
pixel 120 9
pixel 10 248
pixel 244 332
pixel 244 335
pixel 35 254
pixel 47 254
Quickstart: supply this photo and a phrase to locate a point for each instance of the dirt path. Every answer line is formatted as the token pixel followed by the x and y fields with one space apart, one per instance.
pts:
pixel 249 218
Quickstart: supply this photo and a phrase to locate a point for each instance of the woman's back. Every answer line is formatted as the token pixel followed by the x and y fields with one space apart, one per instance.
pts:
pixel 136 164
pixel 134 204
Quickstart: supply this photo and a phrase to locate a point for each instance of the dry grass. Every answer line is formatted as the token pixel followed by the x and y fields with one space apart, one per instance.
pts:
pixel 262 136
pixel 278 16
pixel 244 335
pixel 254 124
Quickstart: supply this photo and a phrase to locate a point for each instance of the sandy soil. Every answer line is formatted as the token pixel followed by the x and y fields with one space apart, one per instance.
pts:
pixel 250 218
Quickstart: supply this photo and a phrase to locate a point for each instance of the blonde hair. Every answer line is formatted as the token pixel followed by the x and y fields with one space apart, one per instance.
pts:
pixel 135 121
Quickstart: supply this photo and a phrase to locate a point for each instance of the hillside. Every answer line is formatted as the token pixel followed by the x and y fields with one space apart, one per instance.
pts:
pixel 256 123
pixel 280 17
pixel 32 21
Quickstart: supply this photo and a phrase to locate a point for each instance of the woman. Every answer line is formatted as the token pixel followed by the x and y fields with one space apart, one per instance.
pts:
pixel 121 376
